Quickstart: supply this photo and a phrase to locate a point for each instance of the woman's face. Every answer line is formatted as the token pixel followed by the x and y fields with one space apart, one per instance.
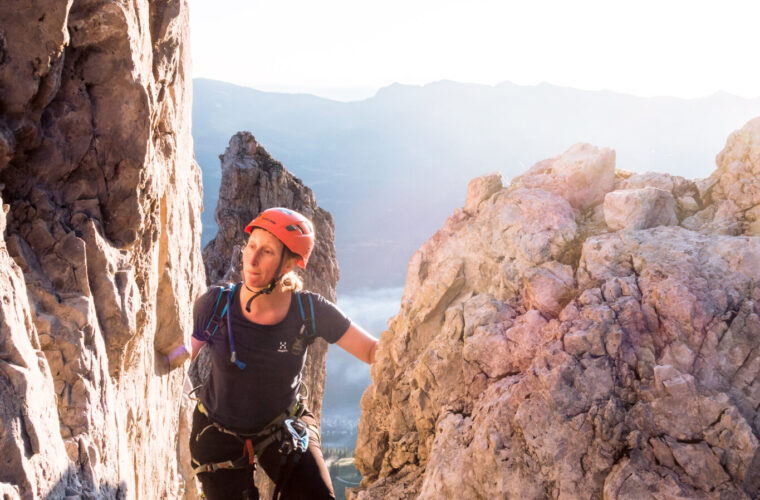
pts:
pixel 261 257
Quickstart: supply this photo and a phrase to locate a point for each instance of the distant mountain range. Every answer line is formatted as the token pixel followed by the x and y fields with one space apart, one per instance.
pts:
pixel 391 168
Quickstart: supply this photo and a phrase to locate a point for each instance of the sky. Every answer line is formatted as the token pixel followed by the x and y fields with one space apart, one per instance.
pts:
pixel 347 49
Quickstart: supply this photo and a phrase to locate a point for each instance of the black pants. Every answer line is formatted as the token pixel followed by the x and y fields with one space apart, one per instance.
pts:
pixel 308 478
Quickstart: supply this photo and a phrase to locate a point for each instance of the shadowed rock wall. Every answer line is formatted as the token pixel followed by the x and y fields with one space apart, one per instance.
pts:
pixel 580 333
pixel 102 196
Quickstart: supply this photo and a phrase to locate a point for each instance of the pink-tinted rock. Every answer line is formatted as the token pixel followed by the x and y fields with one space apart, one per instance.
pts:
pixel 732 192
pixel 580 362
pixel 639 208
pixel 582 175
pixel 480 189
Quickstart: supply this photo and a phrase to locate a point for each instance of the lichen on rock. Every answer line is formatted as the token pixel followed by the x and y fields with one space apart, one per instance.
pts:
pixel 579 333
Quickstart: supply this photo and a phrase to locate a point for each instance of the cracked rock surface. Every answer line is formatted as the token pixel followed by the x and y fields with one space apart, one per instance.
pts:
pixel 100 250
pixel 540 353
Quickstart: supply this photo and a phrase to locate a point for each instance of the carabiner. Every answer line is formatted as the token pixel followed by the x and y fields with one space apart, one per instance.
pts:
pixel 299 434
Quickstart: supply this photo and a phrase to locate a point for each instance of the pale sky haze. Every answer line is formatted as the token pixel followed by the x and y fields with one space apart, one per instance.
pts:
pixel 347 49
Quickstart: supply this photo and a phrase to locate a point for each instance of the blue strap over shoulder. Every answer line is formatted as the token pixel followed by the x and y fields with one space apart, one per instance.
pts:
pixel 216 318
pixel 233 353
pixel 312 326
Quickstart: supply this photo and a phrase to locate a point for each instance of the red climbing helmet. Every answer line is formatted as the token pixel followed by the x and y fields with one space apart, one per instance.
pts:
pixel 293 229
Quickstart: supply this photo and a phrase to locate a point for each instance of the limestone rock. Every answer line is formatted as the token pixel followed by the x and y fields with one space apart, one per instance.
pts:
pixel 732 192
pixel 639 208
pixel 548 288
pixel 539 352
pixel 480 189
pixel 97 169
pixel 253 181
pixel 684 191
pixel 582 175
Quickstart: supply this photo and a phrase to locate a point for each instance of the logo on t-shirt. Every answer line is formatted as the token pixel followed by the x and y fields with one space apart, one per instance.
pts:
pixel 283 347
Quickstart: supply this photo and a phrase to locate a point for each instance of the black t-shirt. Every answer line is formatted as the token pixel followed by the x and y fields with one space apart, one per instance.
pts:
pixel 248 399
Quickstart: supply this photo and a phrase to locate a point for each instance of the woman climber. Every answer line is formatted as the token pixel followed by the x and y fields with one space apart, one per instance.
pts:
pixel 249 408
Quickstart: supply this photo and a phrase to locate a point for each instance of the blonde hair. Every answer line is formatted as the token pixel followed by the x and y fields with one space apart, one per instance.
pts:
pixel 291 282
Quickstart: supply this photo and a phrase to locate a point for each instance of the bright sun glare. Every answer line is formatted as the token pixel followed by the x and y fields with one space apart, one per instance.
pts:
pixel 347 49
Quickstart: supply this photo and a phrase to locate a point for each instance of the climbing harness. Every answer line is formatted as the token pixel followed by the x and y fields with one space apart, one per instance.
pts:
pixel 253 443
pixel 287 428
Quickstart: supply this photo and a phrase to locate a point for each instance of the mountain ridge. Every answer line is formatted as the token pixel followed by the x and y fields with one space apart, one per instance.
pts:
pixel 402 152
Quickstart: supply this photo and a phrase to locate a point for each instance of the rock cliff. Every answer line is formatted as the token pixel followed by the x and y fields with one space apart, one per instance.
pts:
pixel 100 253
pixel 253 181
pixel 583 332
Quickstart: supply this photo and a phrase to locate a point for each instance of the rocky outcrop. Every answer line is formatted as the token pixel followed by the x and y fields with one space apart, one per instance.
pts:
pixel 103 202
pixel 253 181
pixel 639 208
pixel 732 192
pixel 541 353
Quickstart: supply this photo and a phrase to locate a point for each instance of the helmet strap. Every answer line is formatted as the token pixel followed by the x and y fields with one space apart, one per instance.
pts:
pixel 270 287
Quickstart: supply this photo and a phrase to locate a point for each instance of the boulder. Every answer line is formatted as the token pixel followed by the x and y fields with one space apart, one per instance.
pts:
pixel 732 193
pixel 582 175
pixel 541 353
pixel 639 208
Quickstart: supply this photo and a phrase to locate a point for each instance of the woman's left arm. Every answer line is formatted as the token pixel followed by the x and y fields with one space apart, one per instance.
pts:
pixel 358 342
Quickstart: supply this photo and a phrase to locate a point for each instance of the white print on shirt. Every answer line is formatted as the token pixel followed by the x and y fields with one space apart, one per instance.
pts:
pixel 283 347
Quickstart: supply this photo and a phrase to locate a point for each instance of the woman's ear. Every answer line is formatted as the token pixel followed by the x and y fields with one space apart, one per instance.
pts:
pixel 289 263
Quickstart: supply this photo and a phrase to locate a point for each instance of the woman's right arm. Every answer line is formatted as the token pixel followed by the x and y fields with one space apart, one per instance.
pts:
pixel 197 344
pixel 200 318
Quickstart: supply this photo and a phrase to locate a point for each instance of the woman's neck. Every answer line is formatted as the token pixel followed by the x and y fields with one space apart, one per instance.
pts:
pixel 263 302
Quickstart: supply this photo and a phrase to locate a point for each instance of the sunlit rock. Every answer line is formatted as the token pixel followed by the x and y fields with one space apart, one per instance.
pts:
pixel 540 352
pixel 639 208
pixel 103 224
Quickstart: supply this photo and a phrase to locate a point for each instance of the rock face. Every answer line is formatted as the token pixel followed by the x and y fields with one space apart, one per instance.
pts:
pixel 541 353
pixel 639 208
pixel 253 181
pixel 102 197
